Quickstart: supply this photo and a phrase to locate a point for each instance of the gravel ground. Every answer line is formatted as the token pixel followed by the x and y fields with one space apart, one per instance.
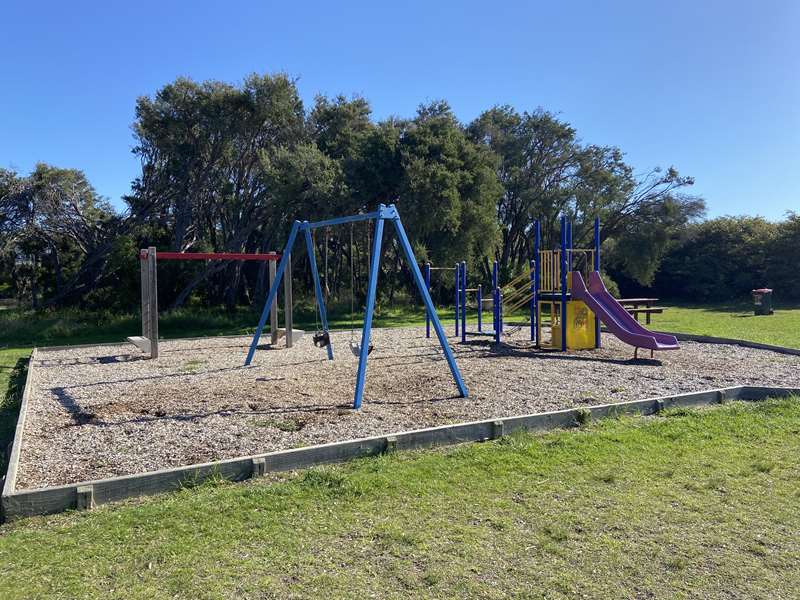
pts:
pixel 103 411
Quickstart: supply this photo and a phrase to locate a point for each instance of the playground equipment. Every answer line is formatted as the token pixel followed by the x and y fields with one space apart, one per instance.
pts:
pixel 148 260
pixel 555 291
pixel 618 320
pixel 379 217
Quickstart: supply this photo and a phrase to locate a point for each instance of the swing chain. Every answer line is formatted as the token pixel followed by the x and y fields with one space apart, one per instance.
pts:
pixel 321 337
pixel 355 347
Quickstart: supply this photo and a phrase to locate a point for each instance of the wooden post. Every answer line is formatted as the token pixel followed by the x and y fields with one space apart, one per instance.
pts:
pixel 145 279
pixel 273 313
pixel 84 497
pixel 153 301
pixel 287 301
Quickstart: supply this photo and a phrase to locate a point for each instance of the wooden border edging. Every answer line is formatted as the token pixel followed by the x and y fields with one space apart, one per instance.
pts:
pixel 16 448
pixel 86 495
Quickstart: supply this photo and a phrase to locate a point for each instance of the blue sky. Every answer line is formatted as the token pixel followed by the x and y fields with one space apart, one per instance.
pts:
pixel 710 87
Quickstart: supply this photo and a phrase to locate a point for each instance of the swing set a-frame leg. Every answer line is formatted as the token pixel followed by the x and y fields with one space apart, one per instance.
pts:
pixel 367 330
pixel 273 290
pixel 426 298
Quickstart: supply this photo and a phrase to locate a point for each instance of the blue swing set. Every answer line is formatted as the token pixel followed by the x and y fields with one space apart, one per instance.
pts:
pixel 383 214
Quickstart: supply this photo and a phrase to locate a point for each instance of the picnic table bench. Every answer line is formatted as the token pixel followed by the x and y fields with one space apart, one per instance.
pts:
pixel 632 305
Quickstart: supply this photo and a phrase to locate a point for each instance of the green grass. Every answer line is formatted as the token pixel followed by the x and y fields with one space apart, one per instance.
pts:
pixel 737 321
pixel 13 369
pixel 700 504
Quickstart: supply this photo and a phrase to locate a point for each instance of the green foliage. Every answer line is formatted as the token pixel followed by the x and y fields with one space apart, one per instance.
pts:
pixel 55 234
pixel 449 190
pixel 720 259
pixel 782 266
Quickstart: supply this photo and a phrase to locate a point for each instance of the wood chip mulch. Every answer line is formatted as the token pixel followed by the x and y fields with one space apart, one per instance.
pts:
pixel 104 411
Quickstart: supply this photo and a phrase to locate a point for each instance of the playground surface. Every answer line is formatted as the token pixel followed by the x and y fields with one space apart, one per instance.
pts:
pixel 102 411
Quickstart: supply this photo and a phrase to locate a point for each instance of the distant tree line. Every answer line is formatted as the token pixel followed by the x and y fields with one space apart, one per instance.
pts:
pixel 227 168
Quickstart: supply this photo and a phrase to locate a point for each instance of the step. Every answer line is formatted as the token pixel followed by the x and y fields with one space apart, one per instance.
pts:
pixel 140 342
pixel 296 334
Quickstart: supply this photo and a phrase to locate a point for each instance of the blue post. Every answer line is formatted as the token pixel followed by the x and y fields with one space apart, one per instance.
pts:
pixel 499 312
pixel 569 245
pixel 537 242
pixel 317 287
pixel 458 296
pixel 496 313
pixel 563 284
pixel 494 299
pixel 367 330
pixel 597 341
pixel 273 290
pixel 448 353
pixel 532 268
pixel 427 287
pixel 463 301
pixel 480 309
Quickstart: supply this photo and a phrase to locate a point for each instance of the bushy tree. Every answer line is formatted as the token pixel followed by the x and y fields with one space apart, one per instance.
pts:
pixel 59 232
pixel 547 172
pixel 718 260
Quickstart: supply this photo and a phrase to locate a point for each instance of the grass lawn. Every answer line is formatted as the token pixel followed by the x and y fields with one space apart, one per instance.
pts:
pixel 782 328
pixel 691 504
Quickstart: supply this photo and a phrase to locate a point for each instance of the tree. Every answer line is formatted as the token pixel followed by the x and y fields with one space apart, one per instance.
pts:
pixel 718 260
pixel 449 189
pixel 59 230
pixel 205 151
pixel 546 172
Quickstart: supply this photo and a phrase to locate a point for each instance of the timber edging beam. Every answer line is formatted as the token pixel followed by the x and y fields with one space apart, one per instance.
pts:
pixel 25 503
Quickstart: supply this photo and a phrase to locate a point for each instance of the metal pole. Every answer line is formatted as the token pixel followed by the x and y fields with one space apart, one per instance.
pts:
pixel 273 313
pixel 463 301
pixel 495 308
pixel 367 330
pixel 563 284
pixel 495 287
pixel 532 266
pixel 498 306
pixel 569 245
pixel 597 340
pixel 448 353
pixel 427 287
pixel 273 290
pixel 537 242
pixel 153 293
pixel 480 309
pixel 458 295
pixel 288 321
pixel 312 259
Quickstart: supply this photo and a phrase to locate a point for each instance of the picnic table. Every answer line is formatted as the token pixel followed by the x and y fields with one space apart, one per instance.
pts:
pixel 632 305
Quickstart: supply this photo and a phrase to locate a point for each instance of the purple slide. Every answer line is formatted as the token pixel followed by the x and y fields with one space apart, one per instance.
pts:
pixel 615 317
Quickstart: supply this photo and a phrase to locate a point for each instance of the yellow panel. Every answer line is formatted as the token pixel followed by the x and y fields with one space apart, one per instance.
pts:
pixel 580 326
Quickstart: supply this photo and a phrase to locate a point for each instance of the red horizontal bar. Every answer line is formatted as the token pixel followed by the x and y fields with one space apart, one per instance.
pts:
pixel 214 256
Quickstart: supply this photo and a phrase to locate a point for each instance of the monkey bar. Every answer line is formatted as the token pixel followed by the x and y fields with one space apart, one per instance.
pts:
pixel 148 257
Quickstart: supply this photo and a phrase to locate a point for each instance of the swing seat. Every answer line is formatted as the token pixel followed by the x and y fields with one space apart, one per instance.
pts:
pixel 356 349
pixel 321 339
